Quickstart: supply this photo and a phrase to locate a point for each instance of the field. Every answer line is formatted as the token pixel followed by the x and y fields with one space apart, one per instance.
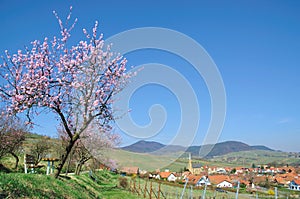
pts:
pixel 144 161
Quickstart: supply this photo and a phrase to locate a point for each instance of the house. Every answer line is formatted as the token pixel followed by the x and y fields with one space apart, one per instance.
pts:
pixel 185 174
pixel 166 175
pixel 285 179
pixel 197 180
pixel 130 171
pixel 220 180
pixel 172 177
pixel 241 179
pixel 153 175
pixel 295 185
pixel 225 183
pixel 221 171
pixel 282 180
pixel 241 170
pixel 202 181
pixel 212 170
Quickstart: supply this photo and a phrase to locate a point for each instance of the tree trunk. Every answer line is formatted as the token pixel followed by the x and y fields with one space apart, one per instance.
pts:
pixel 17 160
pixel 77 169
pixel 65 156
pixel 80 168
pixel 80 164
pixel 69 162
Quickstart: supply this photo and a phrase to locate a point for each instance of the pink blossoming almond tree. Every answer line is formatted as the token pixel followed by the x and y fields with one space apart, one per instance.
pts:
pixel 76 82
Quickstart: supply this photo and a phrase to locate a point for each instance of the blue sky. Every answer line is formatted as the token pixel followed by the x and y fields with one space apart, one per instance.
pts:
pixel 255 45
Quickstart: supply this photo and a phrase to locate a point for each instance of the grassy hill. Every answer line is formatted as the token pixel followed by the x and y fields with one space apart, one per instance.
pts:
pixel 247 158
pixel 147 162
pixel 19 185
pixel 151 162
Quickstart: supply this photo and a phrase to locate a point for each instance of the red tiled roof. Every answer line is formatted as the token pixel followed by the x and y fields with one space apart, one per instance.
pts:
pixel 164 174
pixel 186 173
pixel 130 170
pixel 194 178
pixel 281 180
pixel 217 179
pixel 297 181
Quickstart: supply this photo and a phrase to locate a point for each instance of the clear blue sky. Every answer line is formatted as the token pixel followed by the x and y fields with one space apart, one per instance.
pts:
pixel 255 44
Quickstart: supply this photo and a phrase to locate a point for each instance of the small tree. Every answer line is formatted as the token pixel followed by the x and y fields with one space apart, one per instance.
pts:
pixel 40 148
pixel 233 171
pixel 123 182
pixel 92 144
pixel 77 83
pixel 12 135
pixel 82 154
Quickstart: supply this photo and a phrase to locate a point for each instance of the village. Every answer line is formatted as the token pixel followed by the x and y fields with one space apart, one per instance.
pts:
pixel 256 178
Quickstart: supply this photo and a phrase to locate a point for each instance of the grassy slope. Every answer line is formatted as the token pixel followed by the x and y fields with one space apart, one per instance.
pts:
pixel 144 161
pixel 19 185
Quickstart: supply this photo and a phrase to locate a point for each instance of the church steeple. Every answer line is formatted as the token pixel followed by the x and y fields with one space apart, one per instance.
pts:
pixel 190 166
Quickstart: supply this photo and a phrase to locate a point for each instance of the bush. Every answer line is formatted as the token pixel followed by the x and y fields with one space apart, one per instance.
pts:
pixel 133 177
pixel 123 183
pixel 271 192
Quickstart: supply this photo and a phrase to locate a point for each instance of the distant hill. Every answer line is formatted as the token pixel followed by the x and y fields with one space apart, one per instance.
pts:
pixel 143 147
pixel 217 150
pixel 258 157
pixel 260 147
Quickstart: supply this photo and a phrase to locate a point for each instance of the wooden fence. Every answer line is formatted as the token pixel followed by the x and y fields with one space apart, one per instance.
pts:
pixel 156 190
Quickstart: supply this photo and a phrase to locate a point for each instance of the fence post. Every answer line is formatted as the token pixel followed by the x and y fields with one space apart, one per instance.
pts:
pixel 204 191
pixel 139 184
pixel 145 189
pixel 150 190
pixel 191 193
pixel 237 190
pixel 25 165
pixel 134 187
pixel 130 188
pixel 158 195
pixel 186 181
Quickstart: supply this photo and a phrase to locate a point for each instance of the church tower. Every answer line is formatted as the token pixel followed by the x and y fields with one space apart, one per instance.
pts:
pixel 190 166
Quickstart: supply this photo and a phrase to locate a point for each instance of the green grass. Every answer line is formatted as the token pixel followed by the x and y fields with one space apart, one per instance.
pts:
pixel 151 162
pixel 147 162
pixel 19 185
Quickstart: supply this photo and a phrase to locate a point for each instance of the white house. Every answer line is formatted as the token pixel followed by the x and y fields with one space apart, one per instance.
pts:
pixel 169 176
pixel 203 180
pixel 225 183
pixel 220 180
pixel 295 185
pixel 221 171
pixel 172 177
